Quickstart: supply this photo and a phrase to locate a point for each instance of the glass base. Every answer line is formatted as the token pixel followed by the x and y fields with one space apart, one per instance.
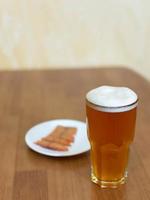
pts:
pixel 109 184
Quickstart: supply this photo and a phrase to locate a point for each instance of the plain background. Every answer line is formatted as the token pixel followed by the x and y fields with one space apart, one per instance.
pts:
pixel 37 34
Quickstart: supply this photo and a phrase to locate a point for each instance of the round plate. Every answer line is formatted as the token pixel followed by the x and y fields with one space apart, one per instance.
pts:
pixel 80 145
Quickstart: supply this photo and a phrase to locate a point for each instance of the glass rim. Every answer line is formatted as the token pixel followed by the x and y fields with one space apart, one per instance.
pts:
pixel 114 108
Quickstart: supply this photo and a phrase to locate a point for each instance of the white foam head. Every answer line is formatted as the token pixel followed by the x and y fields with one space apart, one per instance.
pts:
pixel 112 99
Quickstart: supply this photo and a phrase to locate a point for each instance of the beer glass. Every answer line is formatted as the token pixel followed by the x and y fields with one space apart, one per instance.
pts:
pixel 111 116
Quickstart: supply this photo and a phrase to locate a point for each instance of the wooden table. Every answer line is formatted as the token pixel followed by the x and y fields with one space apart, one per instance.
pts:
pixel 30 97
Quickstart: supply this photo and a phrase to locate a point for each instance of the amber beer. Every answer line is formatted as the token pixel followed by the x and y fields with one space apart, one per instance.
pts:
pixel 110 132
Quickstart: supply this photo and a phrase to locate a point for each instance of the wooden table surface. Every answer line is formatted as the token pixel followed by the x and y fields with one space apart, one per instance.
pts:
pixel 30 97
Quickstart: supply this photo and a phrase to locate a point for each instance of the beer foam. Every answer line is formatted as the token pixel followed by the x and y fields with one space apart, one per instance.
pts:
pixel 113 99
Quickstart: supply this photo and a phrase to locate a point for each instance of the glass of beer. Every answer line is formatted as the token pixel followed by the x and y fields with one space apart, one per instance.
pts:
pixel 111 116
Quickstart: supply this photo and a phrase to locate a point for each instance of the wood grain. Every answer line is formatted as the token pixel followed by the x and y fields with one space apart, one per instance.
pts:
pixel 30 97
pixel 30 185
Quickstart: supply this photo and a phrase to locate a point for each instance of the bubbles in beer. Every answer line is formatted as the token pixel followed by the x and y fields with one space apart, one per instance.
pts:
pixel 112 98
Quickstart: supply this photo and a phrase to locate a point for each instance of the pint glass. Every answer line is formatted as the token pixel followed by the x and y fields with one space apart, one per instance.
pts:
pixel 111 116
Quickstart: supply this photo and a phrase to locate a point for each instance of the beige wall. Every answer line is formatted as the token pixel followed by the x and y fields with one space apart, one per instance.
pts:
pixel 52 33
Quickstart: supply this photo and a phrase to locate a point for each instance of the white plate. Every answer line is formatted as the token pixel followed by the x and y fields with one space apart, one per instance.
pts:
pixel 80 145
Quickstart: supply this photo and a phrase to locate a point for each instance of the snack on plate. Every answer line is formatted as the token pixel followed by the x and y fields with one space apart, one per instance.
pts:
pixel 59 139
